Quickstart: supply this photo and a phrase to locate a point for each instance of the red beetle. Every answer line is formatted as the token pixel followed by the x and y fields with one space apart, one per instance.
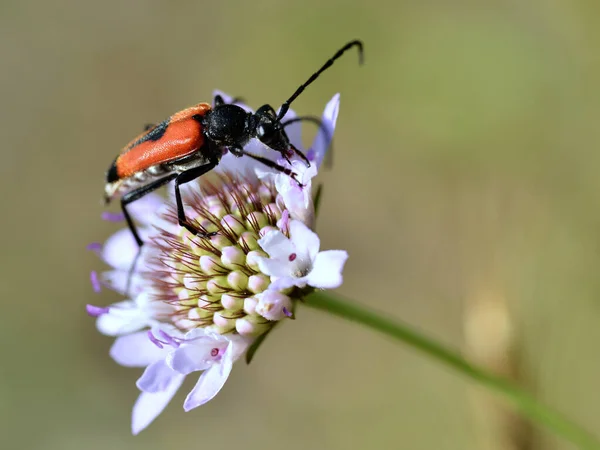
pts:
pixel 191 143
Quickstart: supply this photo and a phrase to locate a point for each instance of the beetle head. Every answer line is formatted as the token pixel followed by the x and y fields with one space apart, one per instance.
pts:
pixel 269 131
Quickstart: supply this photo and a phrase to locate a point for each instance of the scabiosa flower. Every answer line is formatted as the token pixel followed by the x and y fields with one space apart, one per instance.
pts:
pixel 198 302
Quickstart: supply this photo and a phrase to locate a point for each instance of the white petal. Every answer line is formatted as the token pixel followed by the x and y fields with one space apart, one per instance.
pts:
pixel 148 406
pixel 156 377
pixel 274 267
pixel 286 282
pixel 327 269
pixel 135 350
pixel 324 136
pixel 305 241
pixel 211 382
pixel 277 245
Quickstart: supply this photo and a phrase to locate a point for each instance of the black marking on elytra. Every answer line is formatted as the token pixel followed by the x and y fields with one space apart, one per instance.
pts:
pixel 112 175
pixel 153 135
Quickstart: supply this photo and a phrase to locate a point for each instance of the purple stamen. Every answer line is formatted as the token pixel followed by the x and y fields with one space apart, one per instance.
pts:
pixel 287 312
pixel 95 281
pixel 214 352
pixel 310 155
pixel 169 340
pixel 292 257
pixel 94 246
pixel 154 340
pixel 113 217
pixel 96 311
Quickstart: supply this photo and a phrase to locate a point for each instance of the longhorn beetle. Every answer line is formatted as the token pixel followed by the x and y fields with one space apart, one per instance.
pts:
pixel 191 143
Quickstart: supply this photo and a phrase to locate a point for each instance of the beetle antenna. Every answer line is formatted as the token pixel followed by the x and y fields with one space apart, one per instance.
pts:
pixel 356 43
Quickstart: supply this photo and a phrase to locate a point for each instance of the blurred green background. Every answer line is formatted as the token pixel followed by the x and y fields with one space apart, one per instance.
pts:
pixel 465 189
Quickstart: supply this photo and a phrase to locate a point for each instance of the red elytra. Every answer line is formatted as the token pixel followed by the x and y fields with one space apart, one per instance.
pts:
pixel 178 136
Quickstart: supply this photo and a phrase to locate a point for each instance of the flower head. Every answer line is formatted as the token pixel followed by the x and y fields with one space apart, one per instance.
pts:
pixel 198 302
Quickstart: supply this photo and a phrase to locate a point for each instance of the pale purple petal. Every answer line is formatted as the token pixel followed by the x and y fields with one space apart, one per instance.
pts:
pixel 327 269
pixel 245 165
pixel 144 209
pixel 325 135
pixel 120 249
pixel 210 382
pixel 194 356
pixel 135 350
pixel 117 280
pixel 149 405
pixel 293 130
pixel 305 240
pixel 156 377
pixel 123 318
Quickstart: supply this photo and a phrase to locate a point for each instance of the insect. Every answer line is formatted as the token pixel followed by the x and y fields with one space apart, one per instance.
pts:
pixel 191 142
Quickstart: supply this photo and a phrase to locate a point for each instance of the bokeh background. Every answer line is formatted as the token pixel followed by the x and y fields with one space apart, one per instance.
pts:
pixel 465 187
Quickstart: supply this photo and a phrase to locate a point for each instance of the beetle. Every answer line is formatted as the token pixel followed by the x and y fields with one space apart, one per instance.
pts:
pixel 191 142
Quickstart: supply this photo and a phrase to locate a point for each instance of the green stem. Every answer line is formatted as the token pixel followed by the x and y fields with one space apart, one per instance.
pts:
pixel 523 401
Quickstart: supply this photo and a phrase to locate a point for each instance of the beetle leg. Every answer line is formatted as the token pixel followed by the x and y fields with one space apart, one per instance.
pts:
pixel 186 177
pixel 136 194
pixel 273 165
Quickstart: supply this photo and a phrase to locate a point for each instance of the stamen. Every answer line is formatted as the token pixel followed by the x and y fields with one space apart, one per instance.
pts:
pixel 292 257
pixel 311 155
pixel 154 340
pixel 288 313
pixel 113 217
pixel 169 340
pixel 95 281
pixel 214 352
pixel 96 311
pixel 94 247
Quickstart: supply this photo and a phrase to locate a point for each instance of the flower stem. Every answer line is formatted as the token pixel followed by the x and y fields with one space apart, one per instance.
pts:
pixel 522 400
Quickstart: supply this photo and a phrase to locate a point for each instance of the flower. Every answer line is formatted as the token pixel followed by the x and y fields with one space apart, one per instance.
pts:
pixel 168 356
pixel 296 261
pixel 197 303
